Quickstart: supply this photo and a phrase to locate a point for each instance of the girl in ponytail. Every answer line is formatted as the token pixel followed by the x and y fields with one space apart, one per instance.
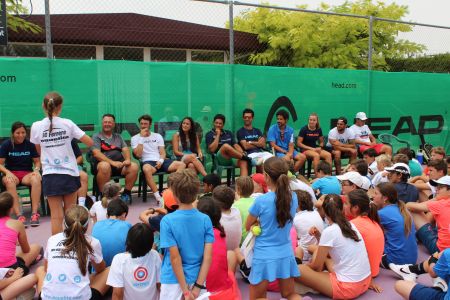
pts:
pixel 220 281
pixel 65 271
pixel 60 175
pixel 399 231
pixel 273 256
pixel 111 191
pixel 349 275
pixel 367 222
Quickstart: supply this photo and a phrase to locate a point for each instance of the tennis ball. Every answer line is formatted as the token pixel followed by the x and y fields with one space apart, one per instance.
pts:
pixel 256 230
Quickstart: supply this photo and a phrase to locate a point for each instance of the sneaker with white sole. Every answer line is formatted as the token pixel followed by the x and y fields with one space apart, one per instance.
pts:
pixel 22 219
pixel 244 270
pixel 403 271
pixel 158 198
pixel 34 220
pixel 440 283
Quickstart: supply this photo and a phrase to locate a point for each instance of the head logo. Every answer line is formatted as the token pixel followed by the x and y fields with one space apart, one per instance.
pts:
pixel 48 277
pixel 282 101
pixel 140 274
pixel 77 279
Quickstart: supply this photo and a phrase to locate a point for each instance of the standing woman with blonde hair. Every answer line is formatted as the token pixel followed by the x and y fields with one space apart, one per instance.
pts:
pixel 310 140
pixel 61 178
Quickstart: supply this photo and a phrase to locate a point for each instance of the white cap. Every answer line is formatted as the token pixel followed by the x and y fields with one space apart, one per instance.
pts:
pixel 444 180
pixel 367 184
pixel 361 115
pixel 353 177
pixel 399 167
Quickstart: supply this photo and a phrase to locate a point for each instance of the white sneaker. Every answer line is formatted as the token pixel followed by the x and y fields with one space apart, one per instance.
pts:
pixel 440 284
pixel 403 271
pixel 159 199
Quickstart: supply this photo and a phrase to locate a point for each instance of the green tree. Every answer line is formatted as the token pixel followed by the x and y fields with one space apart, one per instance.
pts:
pixel 15 8
pixel 322 41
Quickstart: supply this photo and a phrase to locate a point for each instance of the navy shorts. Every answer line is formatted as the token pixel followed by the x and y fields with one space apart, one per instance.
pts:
pixel 60 184
pixel 427 235
pixel 164 167
pixel 421 292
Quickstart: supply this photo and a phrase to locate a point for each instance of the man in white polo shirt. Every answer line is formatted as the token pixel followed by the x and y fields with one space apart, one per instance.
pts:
pixel 149 148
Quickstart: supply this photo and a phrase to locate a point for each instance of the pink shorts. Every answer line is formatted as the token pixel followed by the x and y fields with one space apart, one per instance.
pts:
pixel 348 290
pixel 20 174
pixel 377 148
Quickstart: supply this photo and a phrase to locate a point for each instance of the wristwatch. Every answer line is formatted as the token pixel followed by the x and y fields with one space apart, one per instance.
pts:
pixel 202 287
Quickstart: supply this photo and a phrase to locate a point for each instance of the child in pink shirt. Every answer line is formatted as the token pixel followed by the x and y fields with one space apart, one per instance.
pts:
pixel 220 281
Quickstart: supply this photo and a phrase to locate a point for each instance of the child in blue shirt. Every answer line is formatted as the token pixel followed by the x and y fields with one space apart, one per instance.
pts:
pixel 325 183
pixel 438 268
pixel 186 236
pixel 399 231
pixel 273 256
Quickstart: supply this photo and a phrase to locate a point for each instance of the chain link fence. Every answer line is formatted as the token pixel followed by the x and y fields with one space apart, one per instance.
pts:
pixel 199 31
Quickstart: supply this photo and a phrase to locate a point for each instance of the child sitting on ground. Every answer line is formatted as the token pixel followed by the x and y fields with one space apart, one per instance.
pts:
pixel 383 161
pixel 210 182
pixel 112 232
pixel 62 276
pixel 13 284
pixel 136 273
pixel 186 237
pixel 244 190
pixel 231 217
pixel 153 216
pixel 305 218
pixel 13 232
pixel 111 191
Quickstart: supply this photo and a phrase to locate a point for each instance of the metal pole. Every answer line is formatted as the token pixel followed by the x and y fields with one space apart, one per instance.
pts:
pixel 231 32
pixel 48 34
pixel 370 42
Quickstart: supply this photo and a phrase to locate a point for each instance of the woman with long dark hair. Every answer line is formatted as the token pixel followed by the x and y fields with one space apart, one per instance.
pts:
pixel 186 146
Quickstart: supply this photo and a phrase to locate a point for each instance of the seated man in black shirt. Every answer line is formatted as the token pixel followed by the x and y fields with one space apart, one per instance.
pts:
pixel 252 140
pixel 221 142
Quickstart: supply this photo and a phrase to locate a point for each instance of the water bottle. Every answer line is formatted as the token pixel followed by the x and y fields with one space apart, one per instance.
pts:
pixel 419 156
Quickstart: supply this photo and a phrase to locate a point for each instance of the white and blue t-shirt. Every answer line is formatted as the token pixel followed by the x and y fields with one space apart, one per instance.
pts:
pixel 137 276
pixel 57 155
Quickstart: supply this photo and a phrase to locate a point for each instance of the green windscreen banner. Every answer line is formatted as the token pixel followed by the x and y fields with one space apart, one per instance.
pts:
pixel 413 106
